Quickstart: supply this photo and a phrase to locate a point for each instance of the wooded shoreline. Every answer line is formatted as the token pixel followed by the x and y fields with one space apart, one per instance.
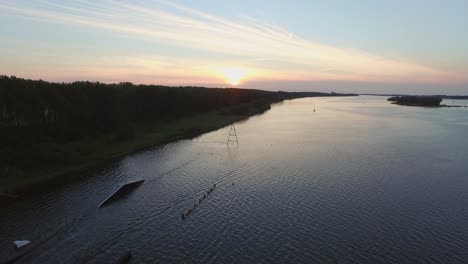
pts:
pixel 50 132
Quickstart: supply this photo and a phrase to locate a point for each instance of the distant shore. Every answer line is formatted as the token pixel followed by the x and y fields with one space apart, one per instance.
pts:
pixel 409 100
pixel 453 97
pixel 423 101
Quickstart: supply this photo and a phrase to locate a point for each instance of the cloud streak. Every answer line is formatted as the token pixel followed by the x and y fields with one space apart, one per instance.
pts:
pixel 269 51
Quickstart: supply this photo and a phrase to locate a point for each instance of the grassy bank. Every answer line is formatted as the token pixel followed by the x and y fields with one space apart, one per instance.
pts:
pixel 89 153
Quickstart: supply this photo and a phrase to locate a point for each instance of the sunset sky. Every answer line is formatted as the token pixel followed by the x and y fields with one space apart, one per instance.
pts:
pixel 304 45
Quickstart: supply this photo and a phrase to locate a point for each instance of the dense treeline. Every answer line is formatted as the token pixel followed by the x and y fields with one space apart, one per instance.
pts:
pixel 31 110
pixel 45 125
pixel 416 100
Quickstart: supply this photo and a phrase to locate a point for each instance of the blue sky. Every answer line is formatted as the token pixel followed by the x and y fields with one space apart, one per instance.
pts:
pixel 394 28
pixel 359 46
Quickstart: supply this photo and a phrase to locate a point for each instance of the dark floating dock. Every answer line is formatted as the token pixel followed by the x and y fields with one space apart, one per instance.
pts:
pixel 8 195
pixel 125 258
pixel 186 212
pixel 20 252
pixel 14 258
pixel 120 192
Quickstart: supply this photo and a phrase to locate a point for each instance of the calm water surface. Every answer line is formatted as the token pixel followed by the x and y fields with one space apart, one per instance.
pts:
pixel 357 181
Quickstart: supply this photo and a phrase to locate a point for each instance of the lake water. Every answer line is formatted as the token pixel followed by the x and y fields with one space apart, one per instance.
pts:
pixel 357 181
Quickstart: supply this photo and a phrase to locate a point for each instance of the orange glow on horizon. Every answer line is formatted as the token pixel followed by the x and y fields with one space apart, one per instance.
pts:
pixel 233 76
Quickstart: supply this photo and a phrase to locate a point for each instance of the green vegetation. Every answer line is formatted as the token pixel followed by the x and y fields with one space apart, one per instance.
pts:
pixel 411 100
pixel 454 97
pixel 54 129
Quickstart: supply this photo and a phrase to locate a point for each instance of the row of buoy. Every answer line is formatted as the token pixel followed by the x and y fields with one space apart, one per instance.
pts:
pixel 188 211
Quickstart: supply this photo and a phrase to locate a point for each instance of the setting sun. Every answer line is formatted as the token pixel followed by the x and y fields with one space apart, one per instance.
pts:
pixel 234 76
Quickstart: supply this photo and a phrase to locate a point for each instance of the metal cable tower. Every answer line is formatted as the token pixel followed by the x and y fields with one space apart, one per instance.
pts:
pixel 232 136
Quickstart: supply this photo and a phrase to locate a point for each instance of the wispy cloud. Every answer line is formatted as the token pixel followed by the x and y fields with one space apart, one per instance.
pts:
pixel 268 50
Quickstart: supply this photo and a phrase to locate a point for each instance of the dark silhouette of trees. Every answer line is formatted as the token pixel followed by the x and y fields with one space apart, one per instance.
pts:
pixel 37 116
pixel 416 100
pixel 30 110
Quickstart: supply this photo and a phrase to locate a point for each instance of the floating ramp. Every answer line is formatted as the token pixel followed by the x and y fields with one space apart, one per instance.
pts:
pixel 21 243
pixel 120 192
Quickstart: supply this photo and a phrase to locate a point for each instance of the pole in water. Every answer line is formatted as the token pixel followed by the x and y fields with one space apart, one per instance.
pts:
pixel 232 136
